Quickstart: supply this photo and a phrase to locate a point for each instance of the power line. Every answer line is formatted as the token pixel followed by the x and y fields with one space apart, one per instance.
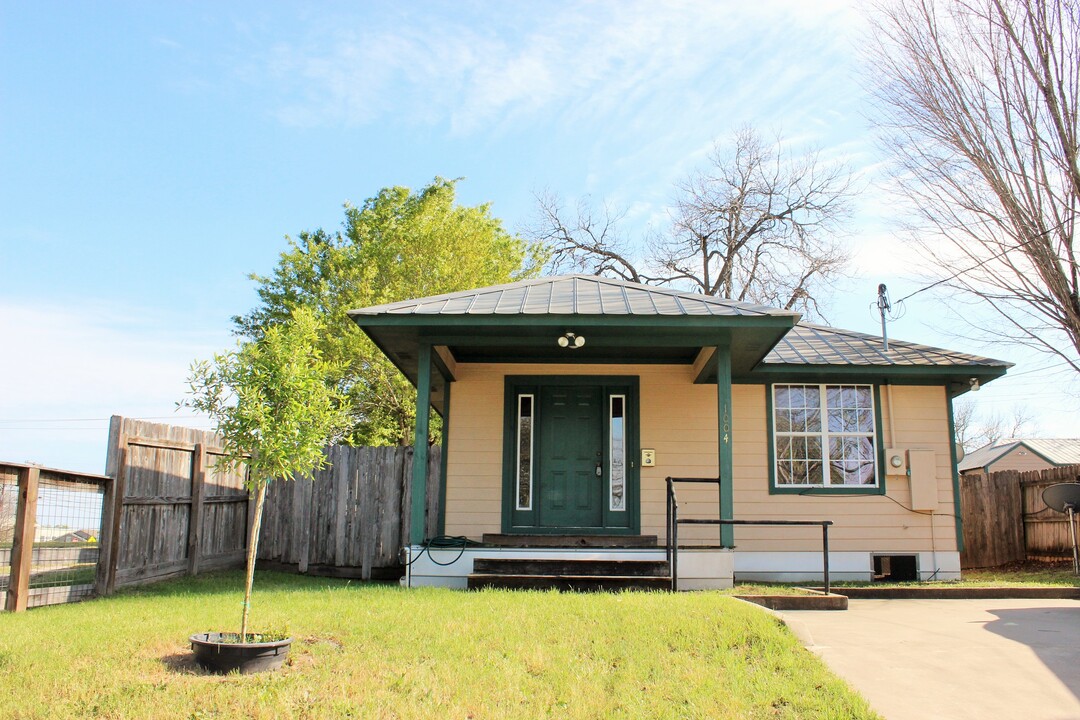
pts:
pixel 1048 368
pixel 103 419
pixel 983 262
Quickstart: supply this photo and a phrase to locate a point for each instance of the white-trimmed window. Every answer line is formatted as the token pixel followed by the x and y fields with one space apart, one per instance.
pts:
pixel 824 435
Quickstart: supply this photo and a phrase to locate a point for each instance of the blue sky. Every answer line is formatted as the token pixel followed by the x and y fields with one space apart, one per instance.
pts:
pixel 154 154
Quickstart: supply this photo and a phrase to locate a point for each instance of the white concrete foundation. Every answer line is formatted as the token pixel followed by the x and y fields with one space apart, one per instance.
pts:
pixel 698 569
pixel 843 566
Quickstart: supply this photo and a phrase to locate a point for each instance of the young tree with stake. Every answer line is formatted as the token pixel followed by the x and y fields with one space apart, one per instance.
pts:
pixel 275 412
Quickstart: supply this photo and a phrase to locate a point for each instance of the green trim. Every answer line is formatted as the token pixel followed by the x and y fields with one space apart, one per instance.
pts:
pixel 725 414
pixel 514 385
pixel 443 464
pixel 660 339
pixel 417 529
pixel 828 490
pixel 400 367
pixel 621 359
pixel 957 513
pixel 777 373
pixel 570 321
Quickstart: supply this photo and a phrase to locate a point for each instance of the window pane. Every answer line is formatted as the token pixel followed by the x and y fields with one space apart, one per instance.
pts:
pixel 850 408
pixel 783 448
pixel 797 408
pixel 813 461
pixel 524 452
pixel 851 460
pixel 618 453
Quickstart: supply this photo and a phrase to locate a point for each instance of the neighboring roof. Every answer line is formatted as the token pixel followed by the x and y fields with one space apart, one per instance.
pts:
pixel 574 295
pixel 1056 451
pixel 807 344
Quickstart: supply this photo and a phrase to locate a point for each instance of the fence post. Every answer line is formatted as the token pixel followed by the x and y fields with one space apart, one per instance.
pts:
pixel 105 539
pixel 195 523
pixel 22 547
pixel 119 485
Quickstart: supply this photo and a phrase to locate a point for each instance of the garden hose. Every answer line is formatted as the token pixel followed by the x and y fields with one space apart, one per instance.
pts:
pixel 443 542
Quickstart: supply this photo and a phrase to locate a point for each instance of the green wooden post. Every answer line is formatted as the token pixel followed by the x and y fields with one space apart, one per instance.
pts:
pixel 417 531
pixel 442 465
pixel 957 514
pixel 727 463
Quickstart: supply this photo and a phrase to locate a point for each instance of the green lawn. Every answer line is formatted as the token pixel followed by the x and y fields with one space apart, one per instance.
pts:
pixel 1025 574
pixel 380 651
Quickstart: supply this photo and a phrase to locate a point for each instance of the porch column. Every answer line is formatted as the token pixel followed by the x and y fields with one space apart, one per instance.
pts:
pixel 417 531
pixel 442 465
pixel 726 462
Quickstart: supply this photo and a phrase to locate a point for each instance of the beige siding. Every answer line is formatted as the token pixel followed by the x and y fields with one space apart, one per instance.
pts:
pixel 1020 459
pixel 678 421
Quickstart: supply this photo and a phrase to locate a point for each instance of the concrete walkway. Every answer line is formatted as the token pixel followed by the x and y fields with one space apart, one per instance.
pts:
pixel 954 659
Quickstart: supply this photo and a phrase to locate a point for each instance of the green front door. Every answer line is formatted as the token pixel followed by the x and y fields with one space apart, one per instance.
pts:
pixel 569 451
pixel 570 457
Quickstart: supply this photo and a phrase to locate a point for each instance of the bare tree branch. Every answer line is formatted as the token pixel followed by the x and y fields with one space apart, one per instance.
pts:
pixel 757 226
pixel 973 433
pixel 587 243
pixel 978 102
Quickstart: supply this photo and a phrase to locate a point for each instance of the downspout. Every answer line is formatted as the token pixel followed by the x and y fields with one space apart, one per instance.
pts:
pixel 892 422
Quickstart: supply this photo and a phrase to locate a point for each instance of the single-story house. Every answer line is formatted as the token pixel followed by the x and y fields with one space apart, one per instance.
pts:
pixel 1022 454
pixel 79 536
pixel 575 398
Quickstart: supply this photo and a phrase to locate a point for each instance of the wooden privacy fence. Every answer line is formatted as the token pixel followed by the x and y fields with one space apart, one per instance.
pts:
pixel 1005 519
pixel 352 518
pixel 173 508
pixel 50 530
pixel 174 511
pixel 1046 532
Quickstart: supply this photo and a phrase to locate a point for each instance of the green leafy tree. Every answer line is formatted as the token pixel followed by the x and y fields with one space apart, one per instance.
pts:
pixel 274 409
pixel 398 245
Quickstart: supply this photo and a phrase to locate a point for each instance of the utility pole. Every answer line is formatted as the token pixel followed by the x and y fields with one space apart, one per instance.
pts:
pixel 883 306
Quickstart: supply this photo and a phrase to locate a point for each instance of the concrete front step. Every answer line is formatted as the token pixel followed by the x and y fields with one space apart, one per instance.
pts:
pixel 568 583
pixel 570 541
pixel 536 566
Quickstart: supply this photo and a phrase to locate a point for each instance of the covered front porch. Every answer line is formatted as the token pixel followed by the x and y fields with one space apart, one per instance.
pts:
pixel 565 403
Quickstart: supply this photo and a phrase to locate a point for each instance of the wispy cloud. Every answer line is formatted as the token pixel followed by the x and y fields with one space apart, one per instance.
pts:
pixel 84 364
pixel 560 61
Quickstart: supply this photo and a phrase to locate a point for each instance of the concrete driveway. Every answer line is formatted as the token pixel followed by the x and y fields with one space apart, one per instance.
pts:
pixel 954 659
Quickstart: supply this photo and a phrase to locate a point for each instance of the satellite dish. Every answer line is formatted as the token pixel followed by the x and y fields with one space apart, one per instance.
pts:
pixel 1065 498
pixel 1062 497
pixel 959 452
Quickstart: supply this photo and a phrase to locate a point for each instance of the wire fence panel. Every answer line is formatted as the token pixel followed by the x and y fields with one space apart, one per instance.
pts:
pixel 66 540
pixel 9 499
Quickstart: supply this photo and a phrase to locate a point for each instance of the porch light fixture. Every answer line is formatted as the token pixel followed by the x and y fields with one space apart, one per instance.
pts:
pixel 974 383
pixel 570 340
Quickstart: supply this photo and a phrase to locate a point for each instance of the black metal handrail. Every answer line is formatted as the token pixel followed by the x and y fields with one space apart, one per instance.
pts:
pixel 673 523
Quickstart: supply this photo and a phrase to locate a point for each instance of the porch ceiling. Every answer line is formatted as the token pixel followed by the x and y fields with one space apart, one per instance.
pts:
pixel 621 322
pixel 607 340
